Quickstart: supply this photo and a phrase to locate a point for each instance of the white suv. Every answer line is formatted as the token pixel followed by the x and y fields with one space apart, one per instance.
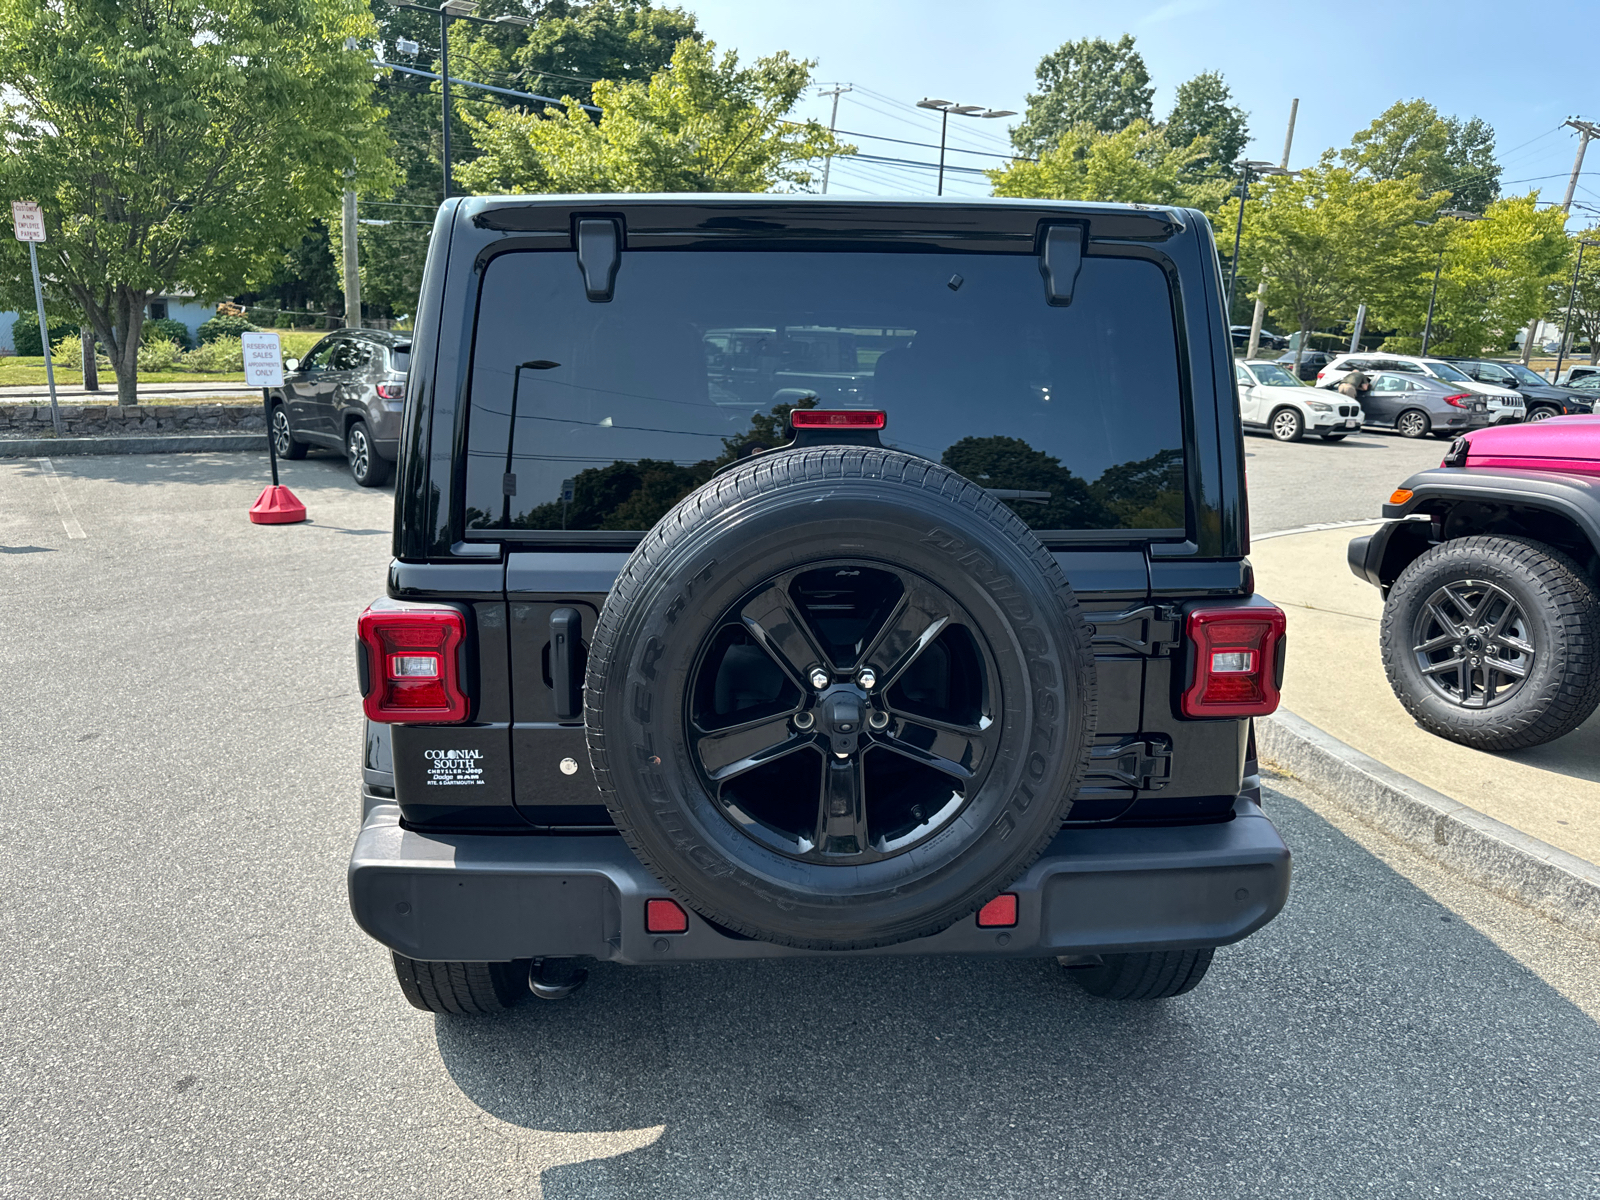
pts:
pixel 1271 397
pixel 1505 404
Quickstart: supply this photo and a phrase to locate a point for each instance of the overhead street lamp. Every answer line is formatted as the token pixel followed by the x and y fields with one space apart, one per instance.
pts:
pixel 947 107
pixel 1246 166
pixel 1459 214
pixel 1572 295
pixel 453 10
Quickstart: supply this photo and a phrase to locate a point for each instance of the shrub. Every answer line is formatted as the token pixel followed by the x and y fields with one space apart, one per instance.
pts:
pixel 224 325
pixel 219 354
pixel 25 335
pixel 158 354
pixel 285 320
pixel 166 330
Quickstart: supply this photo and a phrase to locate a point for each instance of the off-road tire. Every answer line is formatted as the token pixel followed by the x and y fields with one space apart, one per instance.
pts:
pixel 461 987
pixel 367 466
pixel 777 513
pixel 1286 425
pixel 1157 975
pixel 1413 423
pixel 285 444
pixel 1562 689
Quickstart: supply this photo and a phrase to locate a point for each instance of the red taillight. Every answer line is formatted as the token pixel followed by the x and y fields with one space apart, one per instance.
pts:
pixel 999 913
pixel 1320 374
pixel 664 916
pixel 391 391
pixel 837 418
pixel 1461 399
pixel 411 665
pixel 1238 661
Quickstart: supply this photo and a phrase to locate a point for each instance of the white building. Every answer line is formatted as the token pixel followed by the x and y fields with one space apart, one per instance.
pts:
pixel 171 305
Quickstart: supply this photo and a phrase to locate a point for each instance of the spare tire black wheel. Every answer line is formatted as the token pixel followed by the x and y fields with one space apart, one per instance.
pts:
pixel 839 698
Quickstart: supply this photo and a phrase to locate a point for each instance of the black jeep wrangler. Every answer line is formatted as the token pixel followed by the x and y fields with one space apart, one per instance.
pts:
pixel 787 576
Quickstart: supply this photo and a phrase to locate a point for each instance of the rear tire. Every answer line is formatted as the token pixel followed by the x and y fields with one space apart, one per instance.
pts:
pixel 1154 976
pixel 1413 423
pixel 462 987
pixel 367 466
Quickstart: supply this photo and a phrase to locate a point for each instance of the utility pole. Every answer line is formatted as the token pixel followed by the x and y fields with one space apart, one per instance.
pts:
pixel 1587 130
pixel 1261 291
pixel 352 264
pixel 836 91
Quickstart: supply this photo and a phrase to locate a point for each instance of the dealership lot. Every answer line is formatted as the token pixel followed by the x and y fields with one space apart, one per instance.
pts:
pixel 192 1012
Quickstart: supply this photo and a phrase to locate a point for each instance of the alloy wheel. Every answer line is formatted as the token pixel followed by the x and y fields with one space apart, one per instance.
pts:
pixel 359 452
pixel 282 439
pixel 1285 426
pixel 1541 414
pixel 1473 644
pixel 844 712
pixel 1412 424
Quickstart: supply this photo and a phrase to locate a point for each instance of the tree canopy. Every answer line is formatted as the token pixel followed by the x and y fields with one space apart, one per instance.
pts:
pixel 175 145
pixel 1203 108
pixel 1446 154
pixel 704 125
pixel 1328 240
pixel 1086 82
pixel 1136 164
pixel 574 45
pixel 1493 278
pixel 1586 299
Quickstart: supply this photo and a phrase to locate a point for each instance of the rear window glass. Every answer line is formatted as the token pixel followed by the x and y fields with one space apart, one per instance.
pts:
pixel 400 357
pixel 1071 415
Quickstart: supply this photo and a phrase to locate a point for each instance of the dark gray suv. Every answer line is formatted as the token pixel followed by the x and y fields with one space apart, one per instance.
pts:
pixel 346 395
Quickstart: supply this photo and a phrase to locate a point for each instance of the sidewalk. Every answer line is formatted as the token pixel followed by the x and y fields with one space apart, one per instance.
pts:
pixel 74 393
pixel 1335 680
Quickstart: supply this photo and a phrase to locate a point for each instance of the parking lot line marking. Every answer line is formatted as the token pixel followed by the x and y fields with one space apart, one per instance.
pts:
pixel 69 519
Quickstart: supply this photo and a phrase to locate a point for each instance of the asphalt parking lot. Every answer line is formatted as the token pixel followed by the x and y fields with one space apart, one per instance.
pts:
pixel 191 1011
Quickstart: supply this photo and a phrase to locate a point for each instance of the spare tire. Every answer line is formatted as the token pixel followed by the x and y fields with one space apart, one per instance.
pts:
pixel 839 697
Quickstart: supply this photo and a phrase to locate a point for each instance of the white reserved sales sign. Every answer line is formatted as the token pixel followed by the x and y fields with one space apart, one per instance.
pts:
pixel 263 359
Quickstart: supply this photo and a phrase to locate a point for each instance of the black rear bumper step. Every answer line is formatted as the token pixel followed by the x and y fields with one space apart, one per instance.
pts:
pixel 486 898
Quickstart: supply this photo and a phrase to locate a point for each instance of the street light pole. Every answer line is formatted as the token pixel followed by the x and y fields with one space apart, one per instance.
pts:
pixel 1572 296
pixel 947 107
pixel 1245 167
pixel 453 10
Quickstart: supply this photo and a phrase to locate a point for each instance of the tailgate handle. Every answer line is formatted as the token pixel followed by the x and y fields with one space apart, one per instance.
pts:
pixel 566 634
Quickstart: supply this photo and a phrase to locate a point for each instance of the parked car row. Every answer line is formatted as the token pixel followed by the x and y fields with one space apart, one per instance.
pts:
pixel 1413 405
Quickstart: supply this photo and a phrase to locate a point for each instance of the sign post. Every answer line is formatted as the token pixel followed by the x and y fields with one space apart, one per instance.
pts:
pixel 263 367
pixel 27 219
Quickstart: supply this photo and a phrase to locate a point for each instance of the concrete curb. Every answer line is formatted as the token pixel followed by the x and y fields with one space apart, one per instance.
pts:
pixel 1522 868
pixel 195 443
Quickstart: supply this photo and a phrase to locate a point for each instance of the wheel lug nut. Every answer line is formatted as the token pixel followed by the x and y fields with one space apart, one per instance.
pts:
pixel 878 720
pixel 868 678
pixel 804 720
pixel 819 678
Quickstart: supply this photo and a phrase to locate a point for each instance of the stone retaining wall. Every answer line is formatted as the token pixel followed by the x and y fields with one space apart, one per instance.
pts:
pixel 137 420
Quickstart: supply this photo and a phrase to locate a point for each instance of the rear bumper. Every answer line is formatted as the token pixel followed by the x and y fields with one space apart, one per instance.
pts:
pixel 479 898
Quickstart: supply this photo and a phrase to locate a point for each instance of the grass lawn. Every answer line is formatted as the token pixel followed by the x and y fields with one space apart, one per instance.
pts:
pixel 20 371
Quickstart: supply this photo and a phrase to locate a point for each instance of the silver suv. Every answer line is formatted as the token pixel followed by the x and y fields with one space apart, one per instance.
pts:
pixel 345 395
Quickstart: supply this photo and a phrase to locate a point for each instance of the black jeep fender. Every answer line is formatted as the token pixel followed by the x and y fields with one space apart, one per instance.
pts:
pixel 1450 502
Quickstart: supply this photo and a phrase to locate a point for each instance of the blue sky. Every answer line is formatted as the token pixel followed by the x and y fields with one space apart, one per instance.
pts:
pixel 1345 62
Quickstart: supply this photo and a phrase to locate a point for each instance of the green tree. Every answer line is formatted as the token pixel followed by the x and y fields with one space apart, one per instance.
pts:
pixel 1585 300
pixel 1203 108
pixel 575 45
pixel 1086 82
pixel 1446 154
pixel 703 125
pixel 1326 241
pixel 175 145
pixel 1494 278
pixel 1137 164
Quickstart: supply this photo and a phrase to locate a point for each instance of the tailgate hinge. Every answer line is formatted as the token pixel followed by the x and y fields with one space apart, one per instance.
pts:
pixel 1150 629
pixel 1139 760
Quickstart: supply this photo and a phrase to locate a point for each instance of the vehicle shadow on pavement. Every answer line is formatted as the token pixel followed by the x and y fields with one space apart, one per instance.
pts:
pixel 1577 755
pixel 1369 1041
